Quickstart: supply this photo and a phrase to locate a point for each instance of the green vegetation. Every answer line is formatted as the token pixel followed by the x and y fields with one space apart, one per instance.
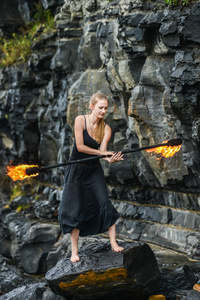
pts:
pixel 21 208
pixel 16 192
pixel 178 2
pixel 18 48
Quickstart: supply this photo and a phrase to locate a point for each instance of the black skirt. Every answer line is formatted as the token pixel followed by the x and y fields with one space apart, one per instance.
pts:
pixel 85 204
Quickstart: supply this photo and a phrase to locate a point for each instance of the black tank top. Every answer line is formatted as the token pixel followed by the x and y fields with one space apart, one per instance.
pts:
pixel 88 141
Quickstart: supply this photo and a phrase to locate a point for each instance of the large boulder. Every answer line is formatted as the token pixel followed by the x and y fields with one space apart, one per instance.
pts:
pixel 104 274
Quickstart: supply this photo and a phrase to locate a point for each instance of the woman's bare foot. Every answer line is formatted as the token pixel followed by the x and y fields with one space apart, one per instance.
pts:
pixel 116 248
pixel 74 241
pixel 75 258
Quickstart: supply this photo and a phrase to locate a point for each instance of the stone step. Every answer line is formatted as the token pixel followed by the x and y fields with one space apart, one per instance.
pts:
pixel 159 214
pixel 156 197
pixel 169 227
pixel 165 235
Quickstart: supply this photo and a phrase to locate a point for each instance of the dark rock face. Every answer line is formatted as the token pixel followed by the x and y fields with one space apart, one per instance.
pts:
pixel 147 63
pixel 103 274
pixel 145 57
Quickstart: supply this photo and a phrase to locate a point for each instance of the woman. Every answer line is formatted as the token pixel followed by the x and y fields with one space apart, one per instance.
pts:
pixel 85 208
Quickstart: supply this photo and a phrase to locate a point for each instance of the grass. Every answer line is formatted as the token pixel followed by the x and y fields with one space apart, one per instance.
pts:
pixel 178 2
pixel 18 48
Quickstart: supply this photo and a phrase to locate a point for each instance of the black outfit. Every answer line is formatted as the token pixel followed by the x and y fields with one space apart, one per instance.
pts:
pixel 85 204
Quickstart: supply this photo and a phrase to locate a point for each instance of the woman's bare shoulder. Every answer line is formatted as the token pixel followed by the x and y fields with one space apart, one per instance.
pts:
pixel 80 119
pixel 107 128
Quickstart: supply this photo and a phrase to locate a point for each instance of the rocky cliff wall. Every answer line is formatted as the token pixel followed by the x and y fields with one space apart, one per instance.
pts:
pixel 145 56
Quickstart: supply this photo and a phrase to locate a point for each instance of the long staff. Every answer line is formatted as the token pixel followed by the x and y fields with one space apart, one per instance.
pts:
pixel 34 170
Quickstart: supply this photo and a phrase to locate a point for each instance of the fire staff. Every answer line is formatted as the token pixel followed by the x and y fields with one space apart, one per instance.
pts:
pixel 85 208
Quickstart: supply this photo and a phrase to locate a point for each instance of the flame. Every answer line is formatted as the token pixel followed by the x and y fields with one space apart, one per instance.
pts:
pixel 19 172
pixel 165 151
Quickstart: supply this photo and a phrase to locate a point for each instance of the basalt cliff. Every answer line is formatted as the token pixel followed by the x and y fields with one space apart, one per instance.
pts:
pixel 145 56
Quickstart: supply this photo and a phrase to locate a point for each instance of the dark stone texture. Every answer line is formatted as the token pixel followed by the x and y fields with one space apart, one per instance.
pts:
pixel 171 40
pixel 191 27
pixel 145 56
pixel 29 242
pixel 179 279
pixel 134 270
pixel 168 27
pixel 187 295
pixel 37 291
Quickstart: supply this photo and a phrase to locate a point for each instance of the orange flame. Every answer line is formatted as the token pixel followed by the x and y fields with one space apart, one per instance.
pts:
pixel 165 151
pixel 19 172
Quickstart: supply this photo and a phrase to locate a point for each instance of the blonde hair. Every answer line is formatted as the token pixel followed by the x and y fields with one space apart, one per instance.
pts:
pixel 100 129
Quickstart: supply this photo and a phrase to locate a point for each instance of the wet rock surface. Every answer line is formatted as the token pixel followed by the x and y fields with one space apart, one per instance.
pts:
pixel 145 56
pixel 176 271
pixel 12 277
pixel 104 274
pixel 38 291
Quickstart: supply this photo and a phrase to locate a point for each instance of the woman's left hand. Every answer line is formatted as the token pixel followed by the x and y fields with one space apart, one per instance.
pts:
pixel 117 156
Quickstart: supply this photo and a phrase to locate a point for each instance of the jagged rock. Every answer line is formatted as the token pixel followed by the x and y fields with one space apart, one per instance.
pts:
pixel 188 295
pixel 11 277
pixel 179 279
pixel 51 3
pixel 145 57
pixel 30 242
pixel 191 27
pixel 103 274
pixel 35 291
pixel 47 209
pixel 168 27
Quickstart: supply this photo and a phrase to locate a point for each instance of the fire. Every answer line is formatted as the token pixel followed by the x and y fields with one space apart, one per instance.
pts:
pixel 165 151
pixel 19 172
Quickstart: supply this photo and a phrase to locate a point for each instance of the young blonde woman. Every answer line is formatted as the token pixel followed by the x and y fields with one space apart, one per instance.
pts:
pixel 85 208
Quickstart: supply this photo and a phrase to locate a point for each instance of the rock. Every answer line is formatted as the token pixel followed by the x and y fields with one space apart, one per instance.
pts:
pixel 168 27
pixel 179 279
pixel 11 277
pixel 51 3
pixel 171 40
pixel 31 242
pixel 185 295
pixel 192 26
pixel 145 57
pixel 16 13
pixel 103 274
pixel 37 291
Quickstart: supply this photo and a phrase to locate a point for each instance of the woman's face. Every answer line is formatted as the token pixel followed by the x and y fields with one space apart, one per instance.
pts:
pixel 99 109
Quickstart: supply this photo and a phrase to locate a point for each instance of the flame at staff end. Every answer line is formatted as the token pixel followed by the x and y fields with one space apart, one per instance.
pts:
pixel 165 151
pixel 19 172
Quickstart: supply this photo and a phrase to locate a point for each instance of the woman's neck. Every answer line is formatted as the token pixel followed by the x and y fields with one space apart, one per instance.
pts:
pixel 93 120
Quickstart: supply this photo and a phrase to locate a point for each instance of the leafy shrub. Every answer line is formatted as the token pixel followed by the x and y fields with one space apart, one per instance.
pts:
pixel 18 48
pixel 15 49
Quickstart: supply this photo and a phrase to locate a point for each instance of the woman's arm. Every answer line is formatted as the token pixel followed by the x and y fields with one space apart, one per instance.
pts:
pixel 79 126
pixel 115 156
